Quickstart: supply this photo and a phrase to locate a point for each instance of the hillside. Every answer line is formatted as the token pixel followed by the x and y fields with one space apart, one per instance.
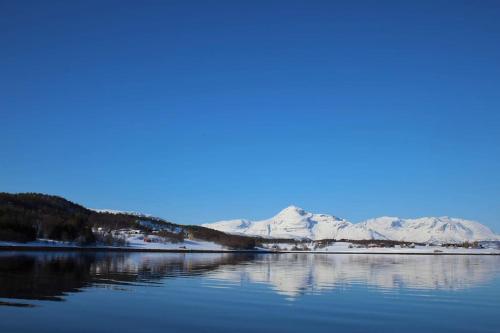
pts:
pixel 295 223
pixel 27 217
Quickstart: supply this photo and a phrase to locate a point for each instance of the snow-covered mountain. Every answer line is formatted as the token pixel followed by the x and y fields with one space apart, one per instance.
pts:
pixel 294 222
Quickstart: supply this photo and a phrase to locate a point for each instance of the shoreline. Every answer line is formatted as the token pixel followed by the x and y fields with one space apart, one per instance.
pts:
pixel 5 248
pixel 117 249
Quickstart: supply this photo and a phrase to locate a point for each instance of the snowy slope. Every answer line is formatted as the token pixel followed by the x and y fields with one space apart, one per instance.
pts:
pixel 294 222
pixel 116 212
pixel 291 222
pixel 430 229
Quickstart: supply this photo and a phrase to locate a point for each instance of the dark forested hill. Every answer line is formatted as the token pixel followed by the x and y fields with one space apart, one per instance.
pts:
pixel 27 216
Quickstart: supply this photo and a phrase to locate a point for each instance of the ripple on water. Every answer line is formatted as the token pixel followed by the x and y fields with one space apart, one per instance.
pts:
pixel 248 293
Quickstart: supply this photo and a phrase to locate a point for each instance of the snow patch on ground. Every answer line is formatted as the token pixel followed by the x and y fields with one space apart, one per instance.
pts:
pixel 133 242
pixel 115 212
pixel 345 247
pixel 138 242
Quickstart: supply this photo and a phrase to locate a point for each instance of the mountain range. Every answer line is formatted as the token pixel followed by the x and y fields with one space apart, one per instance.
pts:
pixel 295 223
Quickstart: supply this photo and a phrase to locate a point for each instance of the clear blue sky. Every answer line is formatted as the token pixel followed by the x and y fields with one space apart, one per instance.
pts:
pixel 199 111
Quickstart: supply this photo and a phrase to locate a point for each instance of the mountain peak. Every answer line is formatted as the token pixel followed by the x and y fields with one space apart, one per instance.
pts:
pixel 292 210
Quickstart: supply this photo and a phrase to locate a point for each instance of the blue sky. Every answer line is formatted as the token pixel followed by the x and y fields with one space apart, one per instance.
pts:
pixel 199 111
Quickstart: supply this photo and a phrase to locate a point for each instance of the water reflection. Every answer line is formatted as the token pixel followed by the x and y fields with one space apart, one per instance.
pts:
pixel 295 274
pixel 52 276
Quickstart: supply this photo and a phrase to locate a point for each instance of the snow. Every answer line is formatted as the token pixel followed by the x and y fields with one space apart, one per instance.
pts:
pixel 348 247
pixel 295 223
pixel 138 242
pixel 115 212
pixel 342 247
pixel 292 222
pixel 133 242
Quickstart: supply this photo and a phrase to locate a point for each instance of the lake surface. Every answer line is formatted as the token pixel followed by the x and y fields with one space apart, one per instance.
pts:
pixel 168 292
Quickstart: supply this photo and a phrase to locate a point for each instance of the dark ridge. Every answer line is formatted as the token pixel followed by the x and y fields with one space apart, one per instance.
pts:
pixel 25 217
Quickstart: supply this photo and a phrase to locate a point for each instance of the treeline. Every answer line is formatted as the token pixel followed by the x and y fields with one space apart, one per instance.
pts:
pixel 365 242
pixel 230 241
pixel 28 216
pixel 25 217
pixel 262 240
pixel 306 244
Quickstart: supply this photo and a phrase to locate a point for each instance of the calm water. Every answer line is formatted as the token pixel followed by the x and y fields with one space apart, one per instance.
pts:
pixel 152 292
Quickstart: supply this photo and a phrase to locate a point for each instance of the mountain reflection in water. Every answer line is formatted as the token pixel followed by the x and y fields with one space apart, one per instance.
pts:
pixel 53 276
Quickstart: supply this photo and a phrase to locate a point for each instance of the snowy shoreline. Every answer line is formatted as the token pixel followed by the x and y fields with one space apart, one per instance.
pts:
pixel 10 246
